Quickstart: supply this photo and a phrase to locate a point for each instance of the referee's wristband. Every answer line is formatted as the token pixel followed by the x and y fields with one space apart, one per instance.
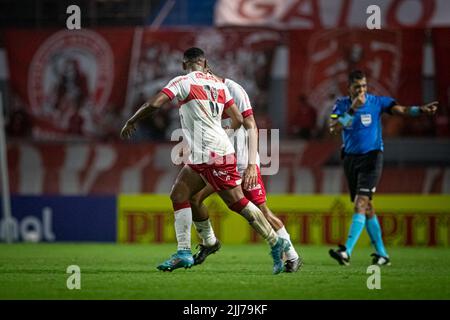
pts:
pixel 345 119
pixel 414 111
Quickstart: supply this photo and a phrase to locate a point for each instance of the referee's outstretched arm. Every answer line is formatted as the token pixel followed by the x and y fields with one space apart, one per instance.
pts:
pixel 413 111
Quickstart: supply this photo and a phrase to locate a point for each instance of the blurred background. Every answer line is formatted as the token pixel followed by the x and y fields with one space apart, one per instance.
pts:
pixel 67 93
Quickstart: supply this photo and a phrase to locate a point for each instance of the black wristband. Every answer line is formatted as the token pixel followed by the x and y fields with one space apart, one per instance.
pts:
pixel 351 111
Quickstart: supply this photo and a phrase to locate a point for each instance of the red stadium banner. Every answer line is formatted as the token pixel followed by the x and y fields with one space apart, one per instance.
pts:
pixel 441 43
pixel 95 169
pixel 320 62
pixel 68 81
pixel 315 14
pixel 242 55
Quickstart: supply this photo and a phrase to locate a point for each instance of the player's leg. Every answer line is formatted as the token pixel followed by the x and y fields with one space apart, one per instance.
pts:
pixel 235 200
pixel 227 185
pixel 369 171
pixel 187 183
pixel 373 228
pixel 358 222
pixel 293 261
pixel 210 244
pixel 380 257
pixel 351 171
pixel 200 215
pixel 257 195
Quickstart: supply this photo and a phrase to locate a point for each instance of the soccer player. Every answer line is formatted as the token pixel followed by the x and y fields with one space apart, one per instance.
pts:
pixel 248 163
pixel 202 98
pixel 358 117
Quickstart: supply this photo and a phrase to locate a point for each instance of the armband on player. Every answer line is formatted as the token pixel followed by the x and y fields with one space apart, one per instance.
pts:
pixel 346 120
pixel 414 111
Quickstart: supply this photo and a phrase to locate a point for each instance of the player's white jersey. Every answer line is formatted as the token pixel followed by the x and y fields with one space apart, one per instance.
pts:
pixel 202 98
pixel 240 139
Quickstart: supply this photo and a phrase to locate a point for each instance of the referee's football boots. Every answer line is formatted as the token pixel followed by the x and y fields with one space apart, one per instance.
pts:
pixel 205 251
pixel 181 259
pixel 340 255
pixel 380 260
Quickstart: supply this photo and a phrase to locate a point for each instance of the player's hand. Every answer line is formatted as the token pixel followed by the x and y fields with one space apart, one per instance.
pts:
pixel 429 108
pixel 127 130
pixel 358 101
pixel 334 127
pixel 250 177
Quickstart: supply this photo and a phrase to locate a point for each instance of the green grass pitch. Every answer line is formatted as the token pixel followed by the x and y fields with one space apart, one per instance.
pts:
pixel 236 272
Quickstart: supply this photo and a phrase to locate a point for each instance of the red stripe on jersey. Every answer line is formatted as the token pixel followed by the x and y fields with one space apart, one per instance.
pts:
pixel 196 92
pixel 168 93
pixel 228 104
pixel 221 96
pixel 245 114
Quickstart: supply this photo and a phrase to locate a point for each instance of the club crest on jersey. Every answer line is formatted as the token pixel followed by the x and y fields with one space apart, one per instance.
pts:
pixel 366 119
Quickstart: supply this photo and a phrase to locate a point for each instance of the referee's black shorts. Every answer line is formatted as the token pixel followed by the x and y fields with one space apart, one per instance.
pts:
pixel 363 171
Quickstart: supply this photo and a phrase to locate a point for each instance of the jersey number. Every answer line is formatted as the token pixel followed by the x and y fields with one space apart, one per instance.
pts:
pixel 212 95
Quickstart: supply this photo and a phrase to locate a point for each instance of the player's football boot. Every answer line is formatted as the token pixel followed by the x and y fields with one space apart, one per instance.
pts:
pixel 205 251
pixel 293 265
pixel 380 260
pixel 181 259
pixel 340 255
pixel 276 252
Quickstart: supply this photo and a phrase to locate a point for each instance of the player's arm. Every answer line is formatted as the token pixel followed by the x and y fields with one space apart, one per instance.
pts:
pixel 147 109
pixel 415 111
pixel 340 119
pixel 251 173
pixel 236 117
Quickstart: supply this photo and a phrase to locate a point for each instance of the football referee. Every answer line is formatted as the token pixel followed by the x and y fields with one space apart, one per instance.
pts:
pixel 358 117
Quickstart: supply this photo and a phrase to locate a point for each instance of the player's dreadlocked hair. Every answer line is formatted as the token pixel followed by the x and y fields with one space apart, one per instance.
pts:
pixel 193 55
pixel 355 75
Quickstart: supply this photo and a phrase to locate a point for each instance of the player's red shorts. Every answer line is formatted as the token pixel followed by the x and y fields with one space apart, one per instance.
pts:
pixel 221 174
pixel 257 195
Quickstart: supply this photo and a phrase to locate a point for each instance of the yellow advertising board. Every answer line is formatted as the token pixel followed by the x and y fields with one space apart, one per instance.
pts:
pixel 406 220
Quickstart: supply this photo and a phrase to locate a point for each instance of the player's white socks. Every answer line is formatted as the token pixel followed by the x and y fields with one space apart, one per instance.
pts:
pixel 291 254
pixel 257 220
pixel 183 223
pixel 206 232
